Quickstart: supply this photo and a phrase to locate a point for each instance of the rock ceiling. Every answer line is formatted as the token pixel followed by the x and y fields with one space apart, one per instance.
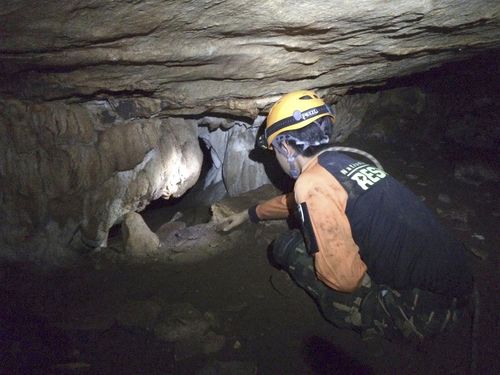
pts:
pixel 229 56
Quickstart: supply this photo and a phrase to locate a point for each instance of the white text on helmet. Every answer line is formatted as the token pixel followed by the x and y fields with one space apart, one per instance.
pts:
pixel 310 113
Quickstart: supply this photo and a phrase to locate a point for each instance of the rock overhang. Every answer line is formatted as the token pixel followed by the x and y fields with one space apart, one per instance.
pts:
pixel 230 57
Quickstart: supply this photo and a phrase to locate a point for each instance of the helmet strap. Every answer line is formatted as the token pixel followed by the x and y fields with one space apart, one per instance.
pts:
pixel 290 157
pixel 294 171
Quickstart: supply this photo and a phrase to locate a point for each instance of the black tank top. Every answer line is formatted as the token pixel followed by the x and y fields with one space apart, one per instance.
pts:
pixel 400 239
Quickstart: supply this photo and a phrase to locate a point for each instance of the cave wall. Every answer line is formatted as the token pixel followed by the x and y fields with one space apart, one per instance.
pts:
pixel 455 107
pixel 67 176
pixel 102 102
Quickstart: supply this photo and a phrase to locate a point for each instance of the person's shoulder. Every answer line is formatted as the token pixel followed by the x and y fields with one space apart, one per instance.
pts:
pixel 309 179
pixel 313 172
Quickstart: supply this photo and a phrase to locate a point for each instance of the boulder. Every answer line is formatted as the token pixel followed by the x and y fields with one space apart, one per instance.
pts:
pixel 240 172
pixel 139 240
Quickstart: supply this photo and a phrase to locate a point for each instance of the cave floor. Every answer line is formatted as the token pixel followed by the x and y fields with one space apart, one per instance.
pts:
pixel 65 322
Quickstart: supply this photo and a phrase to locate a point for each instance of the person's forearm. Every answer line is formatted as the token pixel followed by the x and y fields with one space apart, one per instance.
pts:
pixel 278 207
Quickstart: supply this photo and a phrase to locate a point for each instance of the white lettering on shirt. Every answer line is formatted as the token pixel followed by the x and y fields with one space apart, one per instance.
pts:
pixel 364 174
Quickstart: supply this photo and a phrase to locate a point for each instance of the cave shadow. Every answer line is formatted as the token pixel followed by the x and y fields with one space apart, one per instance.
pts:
pixel 29 344
pixel 271 166
pixel 272 169
pixel 324 358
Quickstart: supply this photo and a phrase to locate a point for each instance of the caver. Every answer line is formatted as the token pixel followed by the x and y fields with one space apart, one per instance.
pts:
pixel 368 250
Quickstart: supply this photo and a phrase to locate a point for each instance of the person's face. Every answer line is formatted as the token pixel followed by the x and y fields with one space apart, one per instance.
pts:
pixel 282 160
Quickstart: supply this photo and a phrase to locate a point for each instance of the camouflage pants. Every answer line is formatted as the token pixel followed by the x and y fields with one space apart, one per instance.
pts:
pixel 372 309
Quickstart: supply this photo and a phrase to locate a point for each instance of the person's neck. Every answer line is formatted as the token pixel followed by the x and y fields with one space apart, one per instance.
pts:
pixel 303 161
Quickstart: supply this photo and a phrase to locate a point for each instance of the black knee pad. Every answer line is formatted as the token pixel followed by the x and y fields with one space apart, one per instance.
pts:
pixel 285 244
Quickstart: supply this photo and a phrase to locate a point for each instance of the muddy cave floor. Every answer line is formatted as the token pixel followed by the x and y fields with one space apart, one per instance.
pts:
pixel 65 322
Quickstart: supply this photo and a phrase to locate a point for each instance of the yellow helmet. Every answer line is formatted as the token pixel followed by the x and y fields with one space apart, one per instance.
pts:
pixel 294 111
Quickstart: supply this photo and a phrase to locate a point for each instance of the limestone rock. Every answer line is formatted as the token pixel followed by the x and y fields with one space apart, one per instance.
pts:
pixel 241 173
pixel 207 344
pixel 232 205
pixel 66 176
pixel 139 240
pixel 233 159
pixel 229 56
pixel 482 254
pixel 350 110
pixel 382 115
pixel 215 141
pixel 445 198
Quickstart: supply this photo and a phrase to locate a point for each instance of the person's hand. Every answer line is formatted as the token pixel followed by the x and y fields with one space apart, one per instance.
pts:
pixel 234 220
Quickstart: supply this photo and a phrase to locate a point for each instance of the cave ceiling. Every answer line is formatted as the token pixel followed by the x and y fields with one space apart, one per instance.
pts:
pixel 231 57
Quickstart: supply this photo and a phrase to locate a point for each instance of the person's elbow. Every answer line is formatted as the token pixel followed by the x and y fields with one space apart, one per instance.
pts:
pixel 348 287
pixel 343 286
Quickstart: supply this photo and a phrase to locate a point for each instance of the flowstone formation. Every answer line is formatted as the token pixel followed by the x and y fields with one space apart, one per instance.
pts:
pixel 67 177
pixel 103 103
